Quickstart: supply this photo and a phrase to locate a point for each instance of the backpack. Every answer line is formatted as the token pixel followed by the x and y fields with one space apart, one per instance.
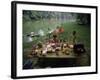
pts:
pixel 79 48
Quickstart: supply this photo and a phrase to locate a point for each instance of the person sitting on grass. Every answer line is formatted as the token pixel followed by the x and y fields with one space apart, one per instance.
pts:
pixel 58 30
pixel 54 39
pixel 61 29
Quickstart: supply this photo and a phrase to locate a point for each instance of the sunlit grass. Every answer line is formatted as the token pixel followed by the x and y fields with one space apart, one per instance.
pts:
pixel 83 31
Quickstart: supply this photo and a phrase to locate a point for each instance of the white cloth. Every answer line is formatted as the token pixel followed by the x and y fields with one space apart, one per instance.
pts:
pixel 29 39
pixel 41 32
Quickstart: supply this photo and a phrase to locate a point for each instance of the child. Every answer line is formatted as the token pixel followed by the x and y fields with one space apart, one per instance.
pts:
pixel 74 37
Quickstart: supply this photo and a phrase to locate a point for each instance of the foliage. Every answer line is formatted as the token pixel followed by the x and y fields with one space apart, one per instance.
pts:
pixel 36 15
pixel 83 19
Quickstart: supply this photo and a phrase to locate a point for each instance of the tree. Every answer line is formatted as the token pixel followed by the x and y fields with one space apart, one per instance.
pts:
pixel 83 19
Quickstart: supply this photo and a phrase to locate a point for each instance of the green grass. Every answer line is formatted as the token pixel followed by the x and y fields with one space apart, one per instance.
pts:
pixel 83 31
pixel 83 34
